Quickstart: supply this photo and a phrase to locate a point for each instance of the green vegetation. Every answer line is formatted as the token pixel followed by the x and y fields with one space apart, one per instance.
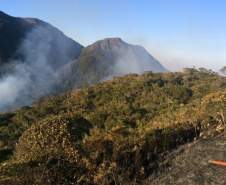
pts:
pixel 115 132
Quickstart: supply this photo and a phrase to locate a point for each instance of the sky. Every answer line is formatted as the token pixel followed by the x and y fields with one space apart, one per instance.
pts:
pixel 179 33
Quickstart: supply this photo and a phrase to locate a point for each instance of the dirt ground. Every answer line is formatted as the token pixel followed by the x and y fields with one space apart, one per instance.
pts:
pixel 189 165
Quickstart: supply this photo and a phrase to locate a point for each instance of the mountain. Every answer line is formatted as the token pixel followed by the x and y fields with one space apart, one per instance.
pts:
pixel 107 58
pixel 37 59
pixel 159 128
pixel 14 31
pixel 31 53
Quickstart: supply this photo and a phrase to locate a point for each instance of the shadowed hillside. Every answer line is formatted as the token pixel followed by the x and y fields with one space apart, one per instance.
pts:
pixel 117 132
pixel 13 32
pixel 31 53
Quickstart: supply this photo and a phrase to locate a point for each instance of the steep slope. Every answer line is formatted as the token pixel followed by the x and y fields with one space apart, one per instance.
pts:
pixel 36 59
pixel 31 53
pixel 107 58
pixel 14 30
pixel 115 132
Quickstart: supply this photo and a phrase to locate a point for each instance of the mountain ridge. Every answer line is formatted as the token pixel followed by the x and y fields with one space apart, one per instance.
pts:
pixel 15 29
pixel 38 60
pixel 107 58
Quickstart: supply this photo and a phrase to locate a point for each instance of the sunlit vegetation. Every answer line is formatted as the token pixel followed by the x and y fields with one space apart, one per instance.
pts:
pixel 115 132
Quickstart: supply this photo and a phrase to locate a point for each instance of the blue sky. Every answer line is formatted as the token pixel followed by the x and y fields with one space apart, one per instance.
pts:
pixel 177 32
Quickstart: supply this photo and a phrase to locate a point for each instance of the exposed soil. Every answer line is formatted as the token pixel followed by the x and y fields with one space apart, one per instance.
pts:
pixel 189 165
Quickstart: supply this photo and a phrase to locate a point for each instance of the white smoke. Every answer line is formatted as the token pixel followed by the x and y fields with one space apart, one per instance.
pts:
pixel 42 68
pixel 34 76
pixel 10 89
pixel 135 60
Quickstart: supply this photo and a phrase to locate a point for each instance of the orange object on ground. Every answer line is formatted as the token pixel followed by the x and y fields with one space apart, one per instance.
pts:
pixel 219 163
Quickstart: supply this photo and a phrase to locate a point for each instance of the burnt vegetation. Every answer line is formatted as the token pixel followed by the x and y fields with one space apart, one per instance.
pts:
pixel 115 132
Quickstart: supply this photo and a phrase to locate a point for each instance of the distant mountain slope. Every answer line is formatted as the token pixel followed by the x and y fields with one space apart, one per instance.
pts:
pixel 31 53
pixel 13 32
pixel 124 57
pixel 36 59
pixel 107 58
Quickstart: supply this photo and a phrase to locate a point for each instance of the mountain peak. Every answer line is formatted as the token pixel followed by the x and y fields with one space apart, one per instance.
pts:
pixel 3 14
pixel 113 40
pixel 108 44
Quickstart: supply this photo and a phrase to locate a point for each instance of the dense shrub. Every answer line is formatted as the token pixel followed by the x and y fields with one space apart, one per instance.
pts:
pixel 115 132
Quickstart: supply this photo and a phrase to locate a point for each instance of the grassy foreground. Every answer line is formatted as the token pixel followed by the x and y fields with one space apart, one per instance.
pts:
pixel 115 132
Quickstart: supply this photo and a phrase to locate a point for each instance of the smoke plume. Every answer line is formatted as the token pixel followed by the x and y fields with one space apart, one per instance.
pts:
pixel 33 75
pixel 135 59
